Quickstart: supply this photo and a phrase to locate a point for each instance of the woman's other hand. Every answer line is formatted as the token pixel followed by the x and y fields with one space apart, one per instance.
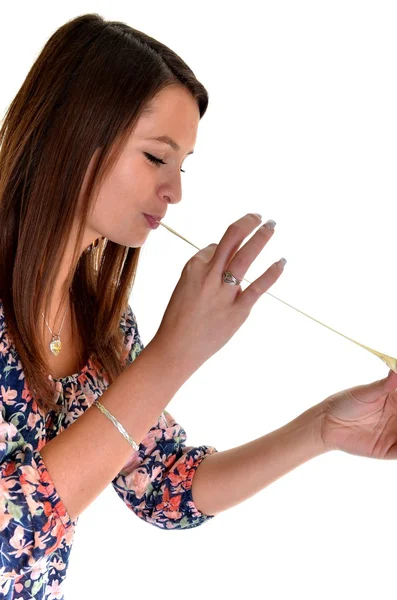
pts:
pixel 362 420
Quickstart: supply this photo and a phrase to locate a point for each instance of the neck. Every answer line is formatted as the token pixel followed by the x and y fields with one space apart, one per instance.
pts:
pixel 59 312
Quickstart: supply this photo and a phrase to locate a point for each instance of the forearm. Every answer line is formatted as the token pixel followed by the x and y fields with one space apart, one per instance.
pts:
pixel 227 478
pixel 83 459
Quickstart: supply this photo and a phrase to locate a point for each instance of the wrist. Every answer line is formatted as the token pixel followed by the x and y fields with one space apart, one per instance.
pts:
pixel 311 421
pixel 174 364
pixel 175 358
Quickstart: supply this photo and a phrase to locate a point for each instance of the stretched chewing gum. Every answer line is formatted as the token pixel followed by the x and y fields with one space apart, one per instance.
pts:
pixel 388 360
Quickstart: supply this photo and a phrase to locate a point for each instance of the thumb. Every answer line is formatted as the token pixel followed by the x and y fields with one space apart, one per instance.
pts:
pixel 390 382
pixel 370 392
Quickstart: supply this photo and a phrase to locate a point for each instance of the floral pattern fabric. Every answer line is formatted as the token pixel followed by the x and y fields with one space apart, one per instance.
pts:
pixel 36 532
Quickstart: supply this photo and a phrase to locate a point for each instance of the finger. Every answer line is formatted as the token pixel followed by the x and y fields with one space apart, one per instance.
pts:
pixel 248 253
pixel 253 292
pixel 231 241
pixel 206 253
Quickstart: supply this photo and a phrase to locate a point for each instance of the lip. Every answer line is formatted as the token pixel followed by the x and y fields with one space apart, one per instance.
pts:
pixel 152 222
pixel 155 217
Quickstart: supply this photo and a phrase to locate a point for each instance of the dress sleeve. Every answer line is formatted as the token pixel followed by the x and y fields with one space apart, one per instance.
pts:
pixel 33 520
pixel 156 482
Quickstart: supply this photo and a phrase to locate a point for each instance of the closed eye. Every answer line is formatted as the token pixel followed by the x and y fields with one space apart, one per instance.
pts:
pixel 157 161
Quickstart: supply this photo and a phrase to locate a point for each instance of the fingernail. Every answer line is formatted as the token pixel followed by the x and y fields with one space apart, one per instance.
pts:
pixel 257 215
pixel 270 224
pixel 282 261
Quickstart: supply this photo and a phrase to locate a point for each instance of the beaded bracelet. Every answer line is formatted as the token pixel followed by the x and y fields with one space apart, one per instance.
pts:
pixel 117 424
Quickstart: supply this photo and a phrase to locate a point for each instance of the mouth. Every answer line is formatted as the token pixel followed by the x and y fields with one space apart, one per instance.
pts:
pixel 152 220
pixel 156 218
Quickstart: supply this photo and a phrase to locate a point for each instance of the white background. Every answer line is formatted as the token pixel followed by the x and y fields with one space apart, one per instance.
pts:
pixel 301 127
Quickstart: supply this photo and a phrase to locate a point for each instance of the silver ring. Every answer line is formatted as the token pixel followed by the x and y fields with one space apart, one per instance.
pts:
pixel 229 278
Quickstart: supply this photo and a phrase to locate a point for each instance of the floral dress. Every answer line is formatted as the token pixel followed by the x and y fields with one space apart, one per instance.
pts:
pixel 36 532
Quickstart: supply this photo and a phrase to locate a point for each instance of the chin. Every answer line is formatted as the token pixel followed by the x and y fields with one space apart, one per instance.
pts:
pixel 136 243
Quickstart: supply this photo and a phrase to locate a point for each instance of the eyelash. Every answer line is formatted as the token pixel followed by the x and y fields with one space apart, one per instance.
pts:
pixel 157 161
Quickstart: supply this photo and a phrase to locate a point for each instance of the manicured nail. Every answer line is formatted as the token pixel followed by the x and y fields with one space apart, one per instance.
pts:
pixel 282 261
pixel 270 224
pixel 257 215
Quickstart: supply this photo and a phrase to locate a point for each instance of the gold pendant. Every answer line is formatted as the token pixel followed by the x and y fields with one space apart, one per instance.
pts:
pixel 55 345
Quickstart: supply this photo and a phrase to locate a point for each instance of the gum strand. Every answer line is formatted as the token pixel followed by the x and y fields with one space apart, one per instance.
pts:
pixel 388 360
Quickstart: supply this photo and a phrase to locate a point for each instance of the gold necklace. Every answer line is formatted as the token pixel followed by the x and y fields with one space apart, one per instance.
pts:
pixel 55 344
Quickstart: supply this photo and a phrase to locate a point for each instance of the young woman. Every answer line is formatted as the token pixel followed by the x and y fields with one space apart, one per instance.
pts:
pixel 91 146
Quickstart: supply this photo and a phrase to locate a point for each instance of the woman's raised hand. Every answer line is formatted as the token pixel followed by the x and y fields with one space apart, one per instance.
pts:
pixel 204 312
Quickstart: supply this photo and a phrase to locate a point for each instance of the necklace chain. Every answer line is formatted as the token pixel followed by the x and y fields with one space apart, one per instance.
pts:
pixel 55 344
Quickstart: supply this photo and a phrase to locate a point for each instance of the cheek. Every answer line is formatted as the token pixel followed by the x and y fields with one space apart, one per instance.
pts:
pixel 128 182
pixel 121 196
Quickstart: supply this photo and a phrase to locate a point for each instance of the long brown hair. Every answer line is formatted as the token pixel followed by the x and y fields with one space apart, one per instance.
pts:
pixel 86 91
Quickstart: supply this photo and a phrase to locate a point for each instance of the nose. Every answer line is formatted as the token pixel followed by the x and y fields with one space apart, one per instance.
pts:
pixel 174 198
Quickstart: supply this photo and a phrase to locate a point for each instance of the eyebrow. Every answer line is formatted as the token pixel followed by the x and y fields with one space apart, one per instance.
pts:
pixel 166 139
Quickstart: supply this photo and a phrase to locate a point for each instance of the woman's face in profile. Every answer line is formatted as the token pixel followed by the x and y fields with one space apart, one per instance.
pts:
pixel 136 185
